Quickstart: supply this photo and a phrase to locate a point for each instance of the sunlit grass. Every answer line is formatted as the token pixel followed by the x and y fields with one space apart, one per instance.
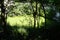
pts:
pixel 26 20
pixel 42 20
pixel 23 20
pixel 23 31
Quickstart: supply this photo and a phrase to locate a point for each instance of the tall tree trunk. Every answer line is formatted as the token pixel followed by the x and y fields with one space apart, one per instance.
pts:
pixel 34 12
pixel 45 15
pixel 35 16
pixel 38 20
pixel 3 16
pixel 42 4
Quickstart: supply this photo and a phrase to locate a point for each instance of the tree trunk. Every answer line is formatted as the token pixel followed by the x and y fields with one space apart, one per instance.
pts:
pixel 38 19
pixel 3 16
pixel 35 16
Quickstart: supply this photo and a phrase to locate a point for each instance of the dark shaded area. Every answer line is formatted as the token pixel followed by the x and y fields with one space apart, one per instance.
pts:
pixel 50 33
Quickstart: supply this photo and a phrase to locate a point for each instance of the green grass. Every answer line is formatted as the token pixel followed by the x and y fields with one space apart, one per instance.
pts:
pixel 26 20
pixel 19 23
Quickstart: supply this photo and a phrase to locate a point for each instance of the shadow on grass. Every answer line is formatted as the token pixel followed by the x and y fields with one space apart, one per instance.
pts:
pixel 21 33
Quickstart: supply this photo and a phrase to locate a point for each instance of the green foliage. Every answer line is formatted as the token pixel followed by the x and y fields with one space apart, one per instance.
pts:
pixel 20 21
pixel 51 14
pixel 21 8
pixel 25 20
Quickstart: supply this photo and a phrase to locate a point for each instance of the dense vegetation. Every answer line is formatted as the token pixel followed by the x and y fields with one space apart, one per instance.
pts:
pixel 29 20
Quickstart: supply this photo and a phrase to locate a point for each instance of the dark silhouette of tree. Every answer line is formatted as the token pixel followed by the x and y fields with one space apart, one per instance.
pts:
pixel 42 4
pixel 34 13
pixel 3 16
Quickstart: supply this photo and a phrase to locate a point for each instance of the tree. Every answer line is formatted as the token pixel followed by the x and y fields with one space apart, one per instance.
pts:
pixel 3 17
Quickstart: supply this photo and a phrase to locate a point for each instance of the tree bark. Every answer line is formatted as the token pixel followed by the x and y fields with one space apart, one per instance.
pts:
pixel 35 16
pixel 3 16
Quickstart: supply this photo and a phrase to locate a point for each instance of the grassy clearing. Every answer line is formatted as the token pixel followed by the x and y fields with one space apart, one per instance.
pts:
pixel 26 20
pixel 22 22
